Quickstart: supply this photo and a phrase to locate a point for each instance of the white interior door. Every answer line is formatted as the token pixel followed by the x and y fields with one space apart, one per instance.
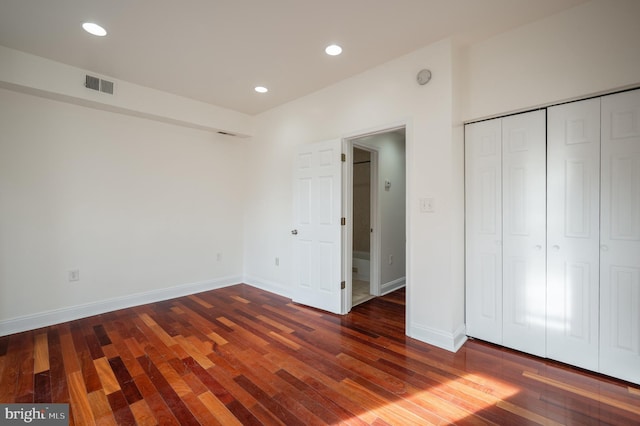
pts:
pixel 483 218
pixel 524 232
pixel 317 230
pixel 573 227
pixel 620 237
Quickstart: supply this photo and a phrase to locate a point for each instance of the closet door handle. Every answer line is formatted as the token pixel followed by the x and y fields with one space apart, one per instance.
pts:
pixel 555 247
pixel 604 248
pixel 538 247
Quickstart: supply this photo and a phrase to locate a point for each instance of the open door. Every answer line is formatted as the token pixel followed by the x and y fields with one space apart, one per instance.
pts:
pixel 317 201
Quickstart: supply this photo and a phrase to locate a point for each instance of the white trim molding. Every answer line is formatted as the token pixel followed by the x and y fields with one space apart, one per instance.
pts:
pixel 448 341
pixel 387 288
pixel 269 286
pixel 56 316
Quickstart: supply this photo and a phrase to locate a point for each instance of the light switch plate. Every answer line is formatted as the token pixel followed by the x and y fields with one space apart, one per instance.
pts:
pixel 427 205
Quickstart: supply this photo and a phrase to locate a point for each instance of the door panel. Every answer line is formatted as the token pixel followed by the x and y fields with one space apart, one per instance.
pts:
pixel 483 192
pixel 317 212
pixel 573 221
pixel 524 236
pixel 620 237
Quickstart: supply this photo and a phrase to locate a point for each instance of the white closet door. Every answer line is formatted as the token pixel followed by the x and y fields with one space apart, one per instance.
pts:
pixel 573 222
pixel 524 233
pixel 620 237
pixel 483 210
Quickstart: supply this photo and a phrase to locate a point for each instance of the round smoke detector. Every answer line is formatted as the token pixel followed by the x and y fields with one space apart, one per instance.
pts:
pixel 423 77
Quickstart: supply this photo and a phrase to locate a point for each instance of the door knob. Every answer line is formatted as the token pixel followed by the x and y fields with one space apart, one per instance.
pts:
pixel 294 232
pixel 538 247
pixel 556 248
pixel 604 248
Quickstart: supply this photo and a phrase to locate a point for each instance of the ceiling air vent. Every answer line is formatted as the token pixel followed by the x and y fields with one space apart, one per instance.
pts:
pixel 94 83
pixel 106 86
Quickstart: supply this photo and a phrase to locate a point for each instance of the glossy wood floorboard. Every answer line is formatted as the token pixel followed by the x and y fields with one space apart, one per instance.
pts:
pixel 240 355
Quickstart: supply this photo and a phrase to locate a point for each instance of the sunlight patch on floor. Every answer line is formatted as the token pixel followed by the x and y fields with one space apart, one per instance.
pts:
pixel 452 411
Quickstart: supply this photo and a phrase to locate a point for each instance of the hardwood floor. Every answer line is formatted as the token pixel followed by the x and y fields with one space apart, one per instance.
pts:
pixel 239 355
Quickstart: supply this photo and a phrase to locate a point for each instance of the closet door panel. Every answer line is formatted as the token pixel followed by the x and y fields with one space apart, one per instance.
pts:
pixel 573 221
pixel 524 232
pixel 483 199
pixel 620 237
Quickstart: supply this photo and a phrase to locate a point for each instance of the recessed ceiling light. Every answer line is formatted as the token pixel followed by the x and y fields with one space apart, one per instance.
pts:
pixel 94 29
pixel 261 89
pixel 333 50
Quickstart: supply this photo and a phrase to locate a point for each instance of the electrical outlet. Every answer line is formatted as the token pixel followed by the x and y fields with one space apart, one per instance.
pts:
pixel 74 275
pixel 219 257
pixel 277 261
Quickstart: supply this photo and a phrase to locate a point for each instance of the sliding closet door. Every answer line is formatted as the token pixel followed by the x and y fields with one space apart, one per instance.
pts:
pixel 620 237
pixel 524 236
pixel 483 210
pixel 573 222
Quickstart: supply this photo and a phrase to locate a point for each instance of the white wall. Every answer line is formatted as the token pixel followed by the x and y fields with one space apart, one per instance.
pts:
pixel 138 206
pixel 590 49
pixel 381 97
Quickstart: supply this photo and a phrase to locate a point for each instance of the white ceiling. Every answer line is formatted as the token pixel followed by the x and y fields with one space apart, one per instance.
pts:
pixel 217 51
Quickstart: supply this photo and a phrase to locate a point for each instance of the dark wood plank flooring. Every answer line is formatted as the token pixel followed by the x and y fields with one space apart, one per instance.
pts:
pixel 240 355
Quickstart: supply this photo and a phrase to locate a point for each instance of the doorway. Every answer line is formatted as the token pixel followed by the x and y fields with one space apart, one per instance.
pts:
pixel 377 201
pixel 363 176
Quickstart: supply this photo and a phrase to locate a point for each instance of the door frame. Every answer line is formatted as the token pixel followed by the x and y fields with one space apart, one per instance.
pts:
pixel 348 143
pixel 374 216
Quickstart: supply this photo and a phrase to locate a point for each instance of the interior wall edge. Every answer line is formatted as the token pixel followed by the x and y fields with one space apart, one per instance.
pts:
pixel 447 341
pixel 34 75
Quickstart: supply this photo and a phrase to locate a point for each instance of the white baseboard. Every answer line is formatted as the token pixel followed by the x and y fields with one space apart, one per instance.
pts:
pixel 444 340
pixel 56 316
pixel 269 286
pixel 449 341
pixel 387 288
